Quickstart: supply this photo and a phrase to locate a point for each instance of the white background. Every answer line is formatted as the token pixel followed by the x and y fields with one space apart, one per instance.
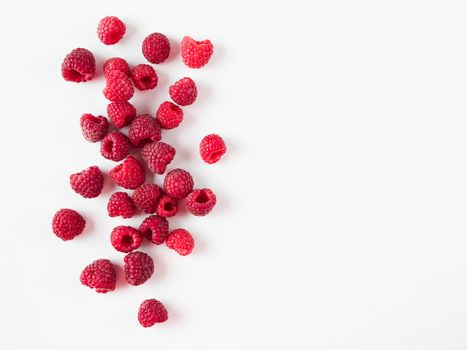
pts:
pixel 340 221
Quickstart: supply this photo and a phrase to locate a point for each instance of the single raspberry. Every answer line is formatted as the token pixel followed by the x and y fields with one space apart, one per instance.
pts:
pixel 146 197
pixel 200 201
pixel 167 207
pixel 144 77
pixel 181 241
pixel 79 66
pixel 138 267
pixel 129 174
pixel 67 224
pixel 119 87
pixel 169 115
pixel 121 113
pixel 183 92
pixel 156 48
pixel 212 148
pixel 93 128
pixel 99 275
pixel 110 30
pixel 116 63
pixel 157 156
pixel 152 311
pixel 125 238
pixel 155 228
pixel 120 204
pixel 88 183
pixel 178 183
pixel 196 54
pixel 144 129
pixel 115 146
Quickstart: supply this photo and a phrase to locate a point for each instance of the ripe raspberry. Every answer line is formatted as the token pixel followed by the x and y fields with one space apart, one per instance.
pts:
pixel 212 148
pixel 155 228
pixel 178 183
pixel 120 204
pixel 157 155
pixel 110 30
pixel 144 77
pixel 167 207
pixel 144 129
pixel 138 267
pixel 79 66
pixel 181 241
pixel 200 201
pixel 116 63
pixel 196 54
pixel 156 48
pixel 151 312
pixel 67 224
pixel 183 92
pixel 115 146
pixel 93 128
pixel 121 113
pixel 99 275
pixel 119 87
pixel 125 238
pixel 129 174
pixel 146 197
pixel 169 115
pixel 88 183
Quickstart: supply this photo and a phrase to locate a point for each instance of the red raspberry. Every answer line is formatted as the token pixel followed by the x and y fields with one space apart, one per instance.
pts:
pixel 156 48
pixel 121 113
pixel 181 241
pixel 196 54
pixel 212 148
pixel 155 228
pixel 200 201
pixel 67 224
pixel 143 130
pixel 157 155
pixel 169 115
pixel 119 87
pixel 144 77
pixel 178 183
pixel 93 128
pixel 125 238
pixel 79 66
pixel 183 92
pixel 116 63
pixel 99 275
pixel 146 197
pixel 167 207
pixel 129 174
pixel 120 204
pixel 88 183
pixel 110 30
pixel 115 146
pixel 151 312
pixel 138 267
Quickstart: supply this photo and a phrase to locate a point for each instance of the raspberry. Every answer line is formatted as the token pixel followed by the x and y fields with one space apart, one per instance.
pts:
pixel 157 155
pixel 116 63
pixel 200 201
pixel 138 268
pixel 146 197
pixel 181 241
pixel 115 146
pixel 129 174
pixel 144 77
pixel 99 275
pixel 155 228
pixel 150 312
pixel 178 183
pixel 183 92
pixel 167 207
pixel 143 130
pixel 196 54
pixel 93 128
pixel 169 115
pixel 119 87
pixel 79 66
pixel 67 224
pixel 125 238
pixel 121 113
pixel 120 204
pixel 110 30
pixel 212 148
pixel 156 48
pixel 88 183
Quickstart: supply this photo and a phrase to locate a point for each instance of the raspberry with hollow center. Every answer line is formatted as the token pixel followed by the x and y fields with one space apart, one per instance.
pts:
pixel 79 66
pixel 115 146
pixel 144 77
pixel 99 275
pixel 183 92
pixel 139 267
pixel 118 87
pixel 167 207
pixel 110 30
pixel 200 202
pixel 88 183
pixel 67 224
pixel 155 228
pixel 121 113
pixel 181 241
pixel 116 63
pixel 129 174
pixel 212 148
pixel 156 48
pixel 178 183
pixel 157 155
pixel 169 115
pixel 146 197
pixel 93 128
pixel 144 129
pixel 125 238
pixel 120 204
pixel 196 54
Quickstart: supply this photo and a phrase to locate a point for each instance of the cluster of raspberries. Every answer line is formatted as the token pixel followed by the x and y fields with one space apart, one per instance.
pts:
pixel 143 136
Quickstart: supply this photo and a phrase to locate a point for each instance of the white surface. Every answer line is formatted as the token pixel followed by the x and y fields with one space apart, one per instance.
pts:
pixel 341 218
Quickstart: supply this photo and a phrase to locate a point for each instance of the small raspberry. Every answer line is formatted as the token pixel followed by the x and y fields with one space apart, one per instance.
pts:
pixel 183 92
pixel 138 267
pixel 196 54
pixel 212 148
pixel 144 129
pixel 155 228
pixel 181 241
pixel 200 201
pixel 129 174
pixel 121 113
pixel 151 312
pixel 116 63
pixel 178 183
pixel 125 238
pixel 94 128
pixel 88 183
pixel 110 30
pixel 157 156
pixel 167 207
pixel 99 275
pixel 146 197
pixel 144 77
pixel 119 87
pixel 120 204
pixel 115 146
pixel 169 115
pixel 79 66
pixel 67 224
pixel 156 48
